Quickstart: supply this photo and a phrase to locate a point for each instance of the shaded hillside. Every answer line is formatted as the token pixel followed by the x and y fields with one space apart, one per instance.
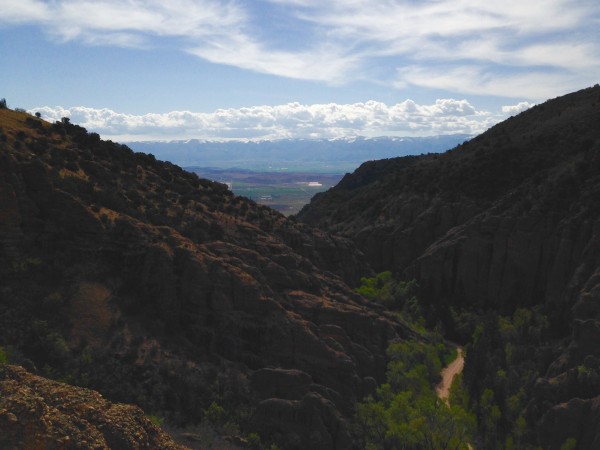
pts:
pixel 138 279
pixel 519 201
pixel 508 220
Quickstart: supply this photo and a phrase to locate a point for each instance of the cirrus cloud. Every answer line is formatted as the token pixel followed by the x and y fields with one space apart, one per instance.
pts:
pixel 536 49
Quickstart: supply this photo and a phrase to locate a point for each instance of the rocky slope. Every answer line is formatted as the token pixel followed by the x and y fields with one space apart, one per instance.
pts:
pixel 36 413
pixel 509 219
pixel 135 278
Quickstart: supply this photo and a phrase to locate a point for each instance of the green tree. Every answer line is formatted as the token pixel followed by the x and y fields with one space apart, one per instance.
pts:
pixel 490 413
pixel 406 412
pixel 396 295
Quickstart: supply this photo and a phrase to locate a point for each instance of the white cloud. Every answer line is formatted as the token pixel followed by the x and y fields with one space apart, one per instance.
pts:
pixel 99 22
pixel 293 120
pixel 23 11
pixel 533 84
pixel 322 64
pixel 516 109
pixel 500 45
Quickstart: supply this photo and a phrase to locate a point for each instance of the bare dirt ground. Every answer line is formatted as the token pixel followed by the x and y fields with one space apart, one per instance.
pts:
pixel 454 368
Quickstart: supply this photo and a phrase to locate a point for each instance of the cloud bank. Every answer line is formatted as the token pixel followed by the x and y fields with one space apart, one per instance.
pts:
pixel 535 49
pixel 289 121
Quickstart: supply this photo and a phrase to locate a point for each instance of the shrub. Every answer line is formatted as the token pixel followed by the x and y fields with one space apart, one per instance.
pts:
pixel 156 420
pixel 3 355
pixel 215 413
pixel 569 444
pixel 254 440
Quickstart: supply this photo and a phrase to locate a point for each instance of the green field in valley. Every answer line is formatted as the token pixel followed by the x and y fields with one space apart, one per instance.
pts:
pixel 287 192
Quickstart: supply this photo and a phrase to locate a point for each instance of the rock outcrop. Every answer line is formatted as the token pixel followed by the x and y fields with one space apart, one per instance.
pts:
pixel 577 420
pixel 38 414
pixel 312 422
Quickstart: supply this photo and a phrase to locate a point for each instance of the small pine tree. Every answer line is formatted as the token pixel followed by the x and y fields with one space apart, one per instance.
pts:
pixel 3 103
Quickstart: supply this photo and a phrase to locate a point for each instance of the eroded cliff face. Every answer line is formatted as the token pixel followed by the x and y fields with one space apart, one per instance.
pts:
pixel 507 220
pixel 140 280
pixel 504 259
pixel 502 220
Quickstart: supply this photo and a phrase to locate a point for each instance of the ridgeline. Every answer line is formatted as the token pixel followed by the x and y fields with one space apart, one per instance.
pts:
pixel 502 234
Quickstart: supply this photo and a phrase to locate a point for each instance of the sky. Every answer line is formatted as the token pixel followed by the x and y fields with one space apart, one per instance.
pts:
pixel 136 70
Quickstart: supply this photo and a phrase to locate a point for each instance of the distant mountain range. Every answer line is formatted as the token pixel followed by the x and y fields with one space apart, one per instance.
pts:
pixel 339 155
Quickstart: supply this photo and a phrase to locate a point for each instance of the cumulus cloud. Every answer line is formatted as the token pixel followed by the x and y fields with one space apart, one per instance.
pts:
pixel 516 109
pixel 288 121
pixel 554 45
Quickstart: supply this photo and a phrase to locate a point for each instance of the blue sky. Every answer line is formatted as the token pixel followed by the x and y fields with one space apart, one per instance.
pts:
pixel 139 70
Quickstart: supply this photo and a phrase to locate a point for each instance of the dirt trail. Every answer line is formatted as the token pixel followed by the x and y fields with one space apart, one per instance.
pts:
pixel 454 368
